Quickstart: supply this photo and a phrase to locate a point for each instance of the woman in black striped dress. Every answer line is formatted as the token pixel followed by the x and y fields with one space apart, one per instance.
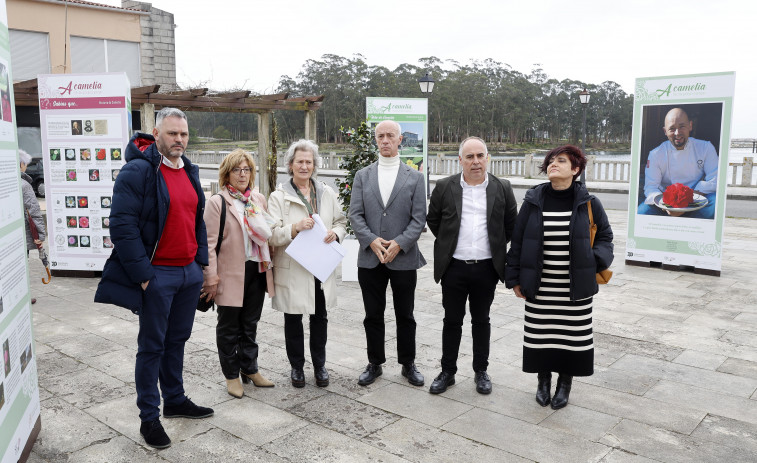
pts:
pixel 552 265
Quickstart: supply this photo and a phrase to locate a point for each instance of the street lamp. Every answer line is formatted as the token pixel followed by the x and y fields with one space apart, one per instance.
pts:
pixel 584 98
pixel 426 83
pixel 427 86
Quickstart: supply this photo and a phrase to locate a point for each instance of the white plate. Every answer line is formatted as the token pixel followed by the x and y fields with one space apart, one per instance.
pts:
pixel 698 203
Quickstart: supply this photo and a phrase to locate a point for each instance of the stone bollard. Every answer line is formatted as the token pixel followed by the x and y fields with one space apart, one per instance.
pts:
pixel 590 167
pixel 746 171
pixel 528 166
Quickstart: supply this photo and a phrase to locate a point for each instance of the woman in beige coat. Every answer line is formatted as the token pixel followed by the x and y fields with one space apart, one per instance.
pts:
pixel 237 276
pixel 297 291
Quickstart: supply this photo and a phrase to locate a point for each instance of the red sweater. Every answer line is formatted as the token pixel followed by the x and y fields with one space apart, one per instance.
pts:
pixel 178 243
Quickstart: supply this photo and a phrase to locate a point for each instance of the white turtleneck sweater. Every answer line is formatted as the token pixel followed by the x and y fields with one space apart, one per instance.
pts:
pixel 387 174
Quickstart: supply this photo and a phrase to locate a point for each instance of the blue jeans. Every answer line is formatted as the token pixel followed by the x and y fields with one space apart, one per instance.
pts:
pixel 707 212
pixel 165 324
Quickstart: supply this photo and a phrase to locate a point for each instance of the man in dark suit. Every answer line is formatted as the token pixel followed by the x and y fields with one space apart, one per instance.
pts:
pixel 472 216
pixel 387 213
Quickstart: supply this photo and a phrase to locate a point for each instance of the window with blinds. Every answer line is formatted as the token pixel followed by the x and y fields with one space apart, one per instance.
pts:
pixel 30 54
pixel 101 55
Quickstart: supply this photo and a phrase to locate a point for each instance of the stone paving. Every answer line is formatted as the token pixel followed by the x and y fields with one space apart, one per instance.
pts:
pixel 675 380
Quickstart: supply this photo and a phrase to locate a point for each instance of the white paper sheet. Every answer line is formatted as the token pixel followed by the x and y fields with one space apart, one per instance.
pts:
pixel 309 250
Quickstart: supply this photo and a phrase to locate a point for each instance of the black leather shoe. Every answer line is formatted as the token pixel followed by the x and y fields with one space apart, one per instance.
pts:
pixel 562 392
pixel 298 377
pixel 154 434
pixel 321 376
pixel 544 388
pixel 483 382
pixel 370 374
pixel 442 382
pixel 186 410
pixel 412 374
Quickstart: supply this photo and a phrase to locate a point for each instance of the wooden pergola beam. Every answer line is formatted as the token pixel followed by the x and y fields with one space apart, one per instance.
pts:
pixel 233 95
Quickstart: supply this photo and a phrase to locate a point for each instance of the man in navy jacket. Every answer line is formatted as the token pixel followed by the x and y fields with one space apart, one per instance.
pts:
pixel 155 270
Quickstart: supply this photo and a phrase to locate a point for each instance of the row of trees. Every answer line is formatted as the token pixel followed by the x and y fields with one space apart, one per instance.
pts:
pixel 484 98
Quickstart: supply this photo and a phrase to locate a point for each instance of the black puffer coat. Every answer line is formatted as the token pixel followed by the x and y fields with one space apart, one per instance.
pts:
pixel 526 255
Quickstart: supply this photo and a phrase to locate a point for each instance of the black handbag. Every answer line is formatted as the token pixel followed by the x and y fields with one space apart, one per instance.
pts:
pixel 202 304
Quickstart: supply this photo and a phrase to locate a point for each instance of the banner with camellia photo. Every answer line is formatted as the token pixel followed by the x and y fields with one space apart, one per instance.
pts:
pixel 412 115
pixel 679 164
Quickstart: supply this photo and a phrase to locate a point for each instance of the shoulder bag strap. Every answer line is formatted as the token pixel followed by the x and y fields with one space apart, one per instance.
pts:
pixel 221 225
pixel 592 226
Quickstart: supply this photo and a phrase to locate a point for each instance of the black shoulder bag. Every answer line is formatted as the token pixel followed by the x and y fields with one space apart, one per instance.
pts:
pixel 202 304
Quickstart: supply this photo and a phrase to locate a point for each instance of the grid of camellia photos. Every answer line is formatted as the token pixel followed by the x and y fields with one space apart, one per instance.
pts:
pixel 82 209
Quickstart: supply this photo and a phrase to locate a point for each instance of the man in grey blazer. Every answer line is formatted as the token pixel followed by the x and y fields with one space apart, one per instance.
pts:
pixel 388 213
pixel 472 216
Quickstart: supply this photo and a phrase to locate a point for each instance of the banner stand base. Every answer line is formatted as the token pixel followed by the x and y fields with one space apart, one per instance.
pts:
pixel 31 440
pixel 676 268
pixel 76 273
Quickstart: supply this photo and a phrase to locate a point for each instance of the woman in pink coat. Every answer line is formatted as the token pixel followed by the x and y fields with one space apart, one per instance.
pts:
pixel 237 277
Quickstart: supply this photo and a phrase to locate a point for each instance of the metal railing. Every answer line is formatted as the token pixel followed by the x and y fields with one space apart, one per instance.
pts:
pixel 739 173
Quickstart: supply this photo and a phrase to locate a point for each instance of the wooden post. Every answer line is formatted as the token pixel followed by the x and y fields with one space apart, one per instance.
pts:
pixel 310 126
pixel 264 149
pixel 147 117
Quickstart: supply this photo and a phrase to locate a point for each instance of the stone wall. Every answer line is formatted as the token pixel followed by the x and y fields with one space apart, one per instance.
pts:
pixel 158 46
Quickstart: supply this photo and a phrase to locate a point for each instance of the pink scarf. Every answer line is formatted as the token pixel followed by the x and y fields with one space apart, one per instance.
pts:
pixel 258 225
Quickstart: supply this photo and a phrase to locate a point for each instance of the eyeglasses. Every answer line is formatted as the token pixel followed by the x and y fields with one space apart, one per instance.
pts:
pixel 242 170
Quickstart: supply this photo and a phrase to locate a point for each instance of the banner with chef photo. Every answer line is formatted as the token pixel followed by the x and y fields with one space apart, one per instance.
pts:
pixel 679 163
pixel 86 123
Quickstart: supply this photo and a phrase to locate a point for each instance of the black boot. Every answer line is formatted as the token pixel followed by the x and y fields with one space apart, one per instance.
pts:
pixel 562 391
pixel 544 388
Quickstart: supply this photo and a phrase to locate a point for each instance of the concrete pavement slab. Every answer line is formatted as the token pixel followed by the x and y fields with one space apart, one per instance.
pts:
pixel 119 449
pixel 421 443
pixel 345 416
pixel 663 445
pixel 593 425
pixel 705 400
pixel 254 421
pixel 217 446
pixel 415 403
pixel 524 439
pixel 315 443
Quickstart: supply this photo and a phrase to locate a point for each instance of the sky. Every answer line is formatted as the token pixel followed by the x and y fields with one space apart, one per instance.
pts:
pixel 229 44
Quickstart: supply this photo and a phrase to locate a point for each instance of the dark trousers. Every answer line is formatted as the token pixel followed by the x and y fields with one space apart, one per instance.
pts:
pixel 295 336
pixel 238 326
pixel 373 282
pixel 165 324
pixel 474 283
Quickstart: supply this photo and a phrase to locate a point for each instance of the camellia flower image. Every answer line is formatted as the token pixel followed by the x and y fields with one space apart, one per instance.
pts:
pixel 100 154
pixel 83 202
pixel 83 222
pixel 678 195
pixel 71 175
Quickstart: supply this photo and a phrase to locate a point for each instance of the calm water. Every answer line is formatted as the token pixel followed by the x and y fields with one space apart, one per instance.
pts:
pixel 734 155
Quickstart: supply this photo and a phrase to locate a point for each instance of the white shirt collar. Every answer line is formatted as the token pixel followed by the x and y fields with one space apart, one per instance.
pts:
pixel 168 163
pixel 464 184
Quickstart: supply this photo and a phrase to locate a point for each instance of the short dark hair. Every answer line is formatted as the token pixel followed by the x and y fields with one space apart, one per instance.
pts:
pixel 574 153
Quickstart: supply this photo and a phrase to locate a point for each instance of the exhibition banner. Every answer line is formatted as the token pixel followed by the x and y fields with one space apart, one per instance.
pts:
pixel 412 115
pixel 86 123
pixel 19 389
pixel 679 163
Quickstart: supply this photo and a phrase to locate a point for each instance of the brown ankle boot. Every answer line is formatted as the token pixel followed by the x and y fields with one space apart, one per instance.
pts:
pixel 258 380
pixel 234 388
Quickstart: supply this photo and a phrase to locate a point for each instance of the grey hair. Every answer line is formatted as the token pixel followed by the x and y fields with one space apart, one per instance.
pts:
pixel 302 145
pixel 460 152
pixel 24 157
pixel 396 124
pixel 168 112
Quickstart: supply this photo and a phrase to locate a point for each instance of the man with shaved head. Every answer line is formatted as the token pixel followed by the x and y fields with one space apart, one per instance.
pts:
pixel 681 159
pixel 387 214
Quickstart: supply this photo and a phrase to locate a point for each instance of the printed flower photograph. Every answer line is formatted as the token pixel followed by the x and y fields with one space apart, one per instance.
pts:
pixel 71 175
